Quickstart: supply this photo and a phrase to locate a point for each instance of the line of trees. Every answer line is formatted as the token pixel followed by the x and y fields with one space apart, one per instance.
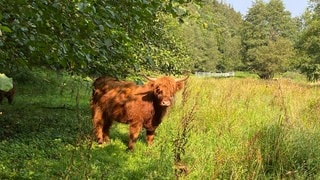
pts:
pixel 267 40
pixel 125 37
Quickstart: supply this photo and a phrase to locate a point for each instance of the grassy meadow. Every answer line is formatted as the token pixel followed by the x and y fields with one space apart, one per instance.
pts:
pixel 225 128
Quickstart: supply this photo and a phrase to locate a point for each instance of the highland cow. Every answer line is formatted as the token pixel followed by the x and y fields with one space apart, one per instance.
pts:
pixel 139 106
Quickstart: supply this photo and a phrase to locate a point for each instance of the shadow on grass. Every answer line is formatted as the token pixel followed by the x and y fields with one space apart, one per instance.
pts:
pixel 44 143
pixel 45 135
pixel 28 120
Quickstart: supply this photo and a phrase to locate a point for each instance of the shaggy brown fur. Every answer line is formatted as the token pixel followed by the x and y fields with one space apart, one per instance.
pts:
pixel 139 106
pixel 9 95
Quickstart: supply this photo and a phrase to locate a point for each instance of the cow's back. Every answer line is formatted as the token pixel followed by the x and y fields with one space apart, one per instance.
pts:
pixel 102 85
pixel 112 95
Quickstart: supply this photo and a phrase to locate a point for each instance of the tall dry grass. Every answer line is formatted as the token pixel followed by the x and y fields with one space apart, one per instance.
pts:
pixel 251 129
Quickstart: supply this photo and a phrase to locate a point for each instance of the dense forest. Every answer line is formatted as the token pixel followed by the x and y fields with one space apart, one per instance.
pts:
pixel 124 38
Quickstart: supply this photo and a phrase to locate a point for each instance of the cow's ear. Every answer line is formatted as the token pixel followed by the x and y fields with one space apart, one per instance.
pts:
pixel 179 85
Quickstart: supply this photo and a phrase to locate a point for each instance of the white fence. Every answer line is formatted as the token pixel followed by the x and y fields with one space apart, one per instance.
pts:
pixel 210 74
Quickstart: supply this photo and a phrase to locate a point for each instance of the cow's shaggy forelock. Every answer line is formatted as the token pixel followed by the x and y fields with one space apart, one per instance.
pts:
pixel 164 89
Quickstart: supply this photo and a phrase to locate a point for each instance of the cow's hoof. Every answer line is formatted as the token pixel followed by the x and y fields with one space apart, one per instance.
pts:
pixel 98 146
pixel 129 150
pixel 100 141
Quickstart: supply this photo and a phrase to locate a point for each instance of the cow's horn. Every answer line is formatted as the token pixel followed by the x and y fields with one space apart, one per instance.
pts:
pixel 149 78
pixel 182 79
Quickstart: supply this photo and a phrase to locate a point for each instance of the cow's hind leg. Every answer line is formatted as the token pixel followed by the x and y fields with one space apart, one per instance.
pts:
pixel 98 123
pixel 134 131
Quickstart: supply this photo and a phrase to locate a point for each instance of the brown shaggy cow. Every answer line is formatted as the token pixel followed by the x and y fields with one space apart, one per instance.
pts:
pixel 126 102
pixel 9 95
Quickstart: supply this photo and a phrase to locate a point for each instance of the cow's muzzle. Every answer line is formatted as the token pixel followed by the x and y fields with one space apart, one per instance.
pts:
pixel 165 103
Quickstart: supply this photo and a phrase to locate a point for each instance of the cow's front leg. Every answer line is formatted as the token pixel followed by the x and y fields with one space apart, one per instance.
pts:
pixel 134 131
pixel 150 137
pixel 106 130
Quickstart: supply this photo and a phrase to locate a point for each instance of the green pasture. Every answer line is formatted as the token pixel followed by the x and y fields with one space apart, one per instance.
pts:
pixel 225 128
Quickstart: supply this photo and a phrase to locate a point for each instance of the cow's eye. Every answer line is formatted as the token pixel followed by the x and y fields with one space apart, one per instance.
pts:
pixel 158 91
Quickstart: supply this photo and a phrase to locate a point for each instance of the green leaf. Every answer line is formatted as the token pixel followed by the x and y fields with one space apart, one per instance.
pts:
pixel 5 28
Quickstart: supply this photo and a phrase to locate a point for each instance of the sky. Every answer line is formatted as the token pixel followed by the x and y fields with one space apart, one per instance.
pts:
pixel 296 7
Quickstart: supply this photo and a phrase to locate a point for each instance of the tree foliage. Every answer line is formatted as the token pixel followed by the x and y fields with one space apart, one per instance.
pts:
pixel 268 36
pixel 125 37
pixel 211 32
pixel 309 42
pixel 274 57
pixel 88 36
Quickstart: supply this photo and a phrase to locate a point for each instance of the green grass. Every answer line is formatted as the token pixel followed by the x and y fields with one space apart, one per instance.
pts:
pixel 234 128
